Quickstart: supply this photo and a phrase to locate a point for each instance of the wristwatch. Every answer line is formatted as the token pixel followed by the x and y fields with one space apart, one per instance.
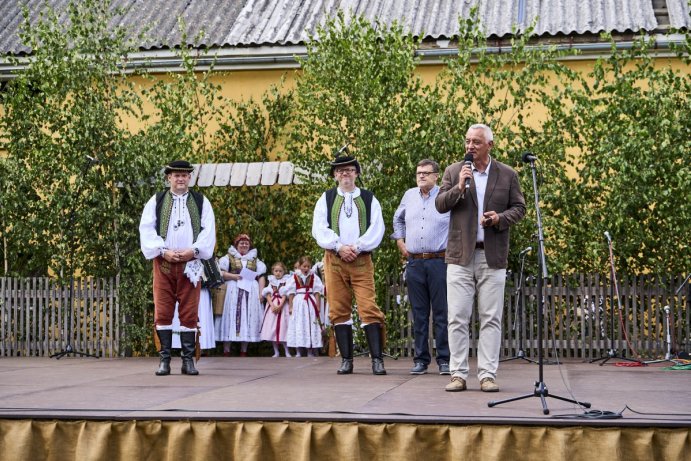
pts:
pixel 196 252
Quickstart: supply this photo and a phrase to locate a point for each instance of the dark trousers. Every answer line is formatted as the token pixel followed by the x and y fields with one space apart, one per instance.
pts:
pixel 426 279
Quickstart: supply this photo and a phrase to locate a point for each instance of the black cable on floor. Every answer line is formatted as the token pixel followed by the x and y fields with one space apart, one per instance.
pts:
pixel 591 414
pixel 655 414
pixel 604 414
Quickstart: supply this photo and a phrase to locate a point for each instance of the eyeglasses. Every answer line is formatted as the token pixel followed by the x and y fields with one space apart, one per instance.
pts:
pixel 346 170
pixel 424 174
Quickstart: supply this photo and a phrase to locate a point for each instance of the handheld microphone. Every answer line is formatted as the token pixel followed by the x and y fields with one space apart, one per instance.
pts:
pixel 609 239
pixel 526 250
pixel 468 160
pixel 528 157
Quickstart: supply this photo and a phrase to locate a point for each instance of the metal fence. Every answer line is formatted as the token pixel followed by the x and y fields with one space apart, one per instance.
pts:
pixel 37 318
pixel 576 317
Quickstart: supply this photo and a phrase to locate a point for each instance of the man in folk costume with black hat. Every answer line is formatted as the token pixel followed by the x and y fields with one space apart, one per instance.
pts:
pixel 177 230
pixel 348 224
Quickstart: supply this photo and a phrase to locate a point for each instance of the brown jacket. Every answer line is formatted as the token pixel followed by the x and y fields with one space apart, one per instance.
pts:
pixel 503 195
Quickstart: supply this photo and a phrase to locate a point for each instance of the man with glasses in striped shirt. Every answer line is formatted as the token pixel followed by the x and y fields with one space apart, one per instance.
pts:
pixel 421 234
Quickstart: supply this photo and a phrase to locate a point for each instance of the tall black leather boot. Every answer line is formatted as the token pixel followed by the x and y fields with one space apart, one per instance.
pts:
pixel 187 342
pixel 344 339
pixel 166 339
pixel 373 332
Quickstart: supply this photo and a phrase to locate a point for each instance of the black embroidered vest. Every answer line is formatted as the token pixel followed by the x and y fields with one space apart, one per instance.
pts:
pixel 164 207
pixel 334 202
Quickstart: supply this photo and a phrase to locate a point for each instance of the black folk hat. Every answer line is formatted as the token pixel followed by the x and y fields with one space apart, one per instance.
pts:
pixel 179 165
pixel 344 160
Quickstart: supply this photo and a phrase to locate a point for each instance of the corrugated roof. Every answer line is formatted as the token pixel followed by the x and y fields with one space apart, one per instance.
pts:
pixel 213 18
pixel 679 16
pixel 157 19
pixel 290 22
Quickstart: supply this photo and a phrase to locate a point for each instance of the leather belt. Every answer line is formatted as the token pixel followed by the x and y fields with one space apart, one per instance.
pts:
pixel 441 254
pixel 479 245
pixel 362 253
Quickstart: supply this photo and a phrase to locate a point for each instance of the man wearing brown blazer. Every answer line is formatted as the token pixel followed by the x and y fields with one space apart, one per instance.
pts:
pixel 485 200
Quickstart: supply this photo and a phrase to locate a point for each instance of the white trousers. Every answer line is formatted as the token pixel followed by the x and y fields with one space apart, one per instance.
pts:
pixel 463 284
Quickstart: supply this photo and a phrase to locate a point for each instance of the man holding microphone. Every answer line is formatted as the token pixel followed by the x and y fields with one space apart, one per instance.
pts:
pixel 484 198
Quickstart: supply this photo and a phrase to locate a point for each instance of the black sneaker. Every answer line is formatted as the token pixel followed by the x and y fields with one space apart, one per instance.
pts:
pixel 419 369
pixel 444 369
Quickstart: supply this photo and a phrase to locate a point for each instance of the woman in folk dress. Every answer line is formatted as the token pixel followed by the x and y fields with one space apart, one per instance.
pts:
pixel 242 309
pixel 304 293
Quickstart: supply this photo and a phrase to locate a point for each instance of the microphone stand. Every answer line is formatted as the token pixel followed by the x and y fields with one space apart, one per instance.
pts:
pixel 668 329
pixel 70 242
pixel 540 390
pixel 518 323
pixel 612 353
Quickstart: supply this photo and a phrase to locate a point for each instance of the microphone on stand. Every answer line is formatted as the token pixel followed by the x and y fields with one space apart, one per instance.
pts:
pixel 609 239
pixel 92 160
pixel 526 250
pixel 528 157
pixel 468 160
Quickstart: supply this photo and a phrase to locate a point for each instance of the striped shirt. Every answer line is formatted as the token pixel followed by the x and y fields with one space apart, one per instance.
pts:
pixel 417 220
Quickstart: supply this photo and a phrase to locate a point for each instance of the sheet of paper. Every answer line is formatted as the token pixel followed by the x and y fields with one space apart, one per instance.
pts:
pixel 247 279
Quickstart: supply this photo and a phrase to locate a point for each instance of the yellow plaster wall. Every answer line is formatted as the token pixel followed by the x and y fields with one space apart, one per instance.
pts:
pixel 245 84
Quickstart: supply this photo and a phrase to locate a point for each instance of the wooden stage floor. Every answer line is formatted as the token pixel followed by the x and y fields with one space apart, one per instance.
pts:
pixel 308 389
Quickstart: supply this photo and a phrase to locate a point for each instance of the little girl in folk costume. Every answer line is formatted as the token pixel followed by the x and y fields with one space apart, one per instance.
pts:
pixel 242 310
pixel 304 291
pixel 275 324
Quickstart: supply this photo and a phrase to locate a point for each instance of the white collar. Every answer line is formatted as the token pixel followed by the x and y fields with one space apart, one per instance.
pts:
pixel 303 276
pixel 274 281
pixel 252 254
pixel 432 192
pixel 179 196
pixel 355 192
pixel 486 169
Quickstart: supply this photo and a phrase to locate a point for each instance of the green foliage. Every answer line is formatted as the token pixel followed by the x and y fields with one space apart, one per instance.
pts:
pixel 503 90
pixel 358 87
pixel 613 146
pixel 627 131
pixel 193 120
pixel 60 213
pixel 67 104
pixel 73 100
